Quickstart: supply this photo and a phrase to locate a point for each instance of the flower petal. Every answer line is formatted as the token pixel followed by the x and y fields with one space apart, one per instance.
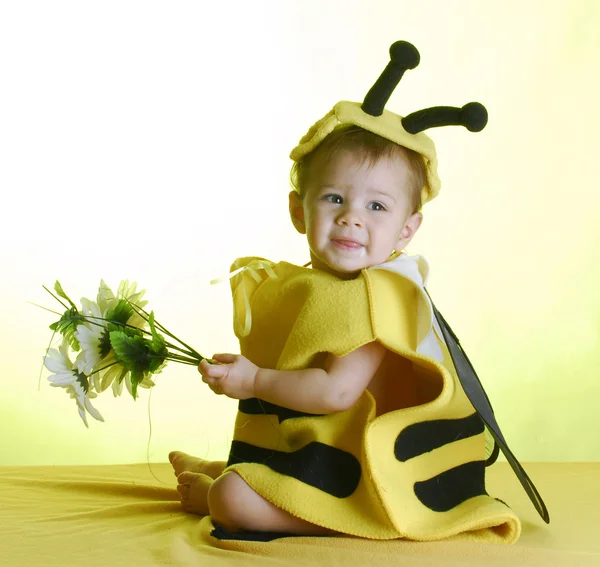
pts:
pixel 105 297
pixel 55 364
pixel 128 383
pixel 108 376
pixel 61 379
pixel 92 410
pixel 64 349
pixel 117 388
pixel 83 415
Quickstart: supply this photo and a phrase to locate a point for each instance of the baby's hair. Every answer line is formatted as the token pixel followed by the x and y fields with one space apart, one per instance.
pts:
pixel 368 147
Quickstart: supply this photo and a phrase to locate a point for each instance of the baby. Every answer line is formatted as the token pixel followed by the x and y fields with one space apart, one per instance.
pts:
pixel 357 199
pixel 358 411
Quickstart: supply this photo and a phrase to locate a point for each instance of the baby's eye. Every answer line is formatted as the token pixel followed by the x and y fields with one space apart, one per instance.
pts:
pixel 377 206
pixel 333 198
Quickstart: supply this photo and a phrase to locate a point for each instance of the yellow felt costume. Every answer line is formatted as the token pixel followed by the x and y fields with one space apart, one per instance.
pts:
pixel 415 468
pixel 416 472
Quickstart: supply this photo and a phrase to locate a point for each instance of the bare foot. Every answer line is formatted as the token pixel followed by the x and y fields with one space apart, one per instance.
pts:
pixel 193 489
pixel 182 462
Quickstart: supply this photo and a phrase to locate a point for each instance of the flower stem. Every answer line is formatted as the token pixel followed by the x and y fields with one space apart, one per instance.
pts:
pixel 45 308
pixel 178 358
pixel 183 361
pixel 65 306
pixel 164 330
pixel 104 367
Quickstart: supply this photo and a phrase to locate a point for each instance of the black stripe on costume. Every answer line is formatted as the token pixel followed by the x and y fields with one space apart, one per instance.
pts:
pixel 326 468
pixel 256 406
pixel 426 436
pixel 219 532
pixel 452 487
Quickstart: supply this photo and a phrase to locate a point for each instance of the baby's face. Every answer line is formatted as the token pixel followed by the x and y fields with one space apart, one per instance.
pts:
pixel 355 216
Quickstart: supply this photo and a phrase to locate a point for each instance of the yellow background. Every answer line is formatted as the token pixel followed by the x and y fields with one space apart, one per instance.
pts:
pixel 150 141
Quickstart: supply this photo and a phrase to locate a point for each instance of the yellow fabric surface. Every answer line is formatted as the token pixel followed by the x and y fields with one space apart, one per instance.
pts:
pixel 120 515
pixel 368 488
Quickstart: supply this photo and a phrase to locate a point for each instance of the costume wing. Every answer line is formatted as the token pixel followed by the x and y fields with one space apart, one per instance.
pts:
pixel 476 394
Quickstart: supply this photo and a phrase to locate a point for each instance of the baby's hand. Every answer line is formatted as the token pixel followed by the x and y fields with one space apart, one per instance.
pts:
pixel 234 377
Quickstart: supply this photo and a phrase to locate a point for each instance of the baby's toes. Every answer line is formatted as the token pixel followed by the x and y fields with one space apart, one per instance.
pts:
pixel 175 456
pixel 186 477
pixel 184 491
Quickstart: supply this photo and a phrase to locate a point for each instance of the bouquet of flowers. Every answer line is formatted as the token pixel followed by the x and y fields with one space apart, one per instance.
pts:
pixel 109 342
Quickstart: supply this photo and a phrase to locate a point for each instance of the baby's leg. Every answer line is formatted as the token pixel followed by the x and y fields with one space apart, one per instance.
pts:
pixel 230 501
pixel 235 506
pixel 182 462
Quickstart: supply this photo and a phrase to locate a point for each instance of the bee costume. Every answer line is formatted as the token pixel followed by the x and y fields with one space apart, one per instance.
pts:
pixel 416 471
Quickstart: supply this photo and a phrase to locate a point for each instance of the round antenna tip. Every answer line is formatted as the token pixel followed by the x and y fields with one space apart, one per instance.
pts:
pixel 404 54
pixel 473 116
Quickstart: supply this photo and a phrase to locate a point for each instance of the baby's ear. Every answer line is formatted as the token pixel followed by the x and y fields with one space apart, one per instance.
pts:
pixel 297 212
pixel 409 230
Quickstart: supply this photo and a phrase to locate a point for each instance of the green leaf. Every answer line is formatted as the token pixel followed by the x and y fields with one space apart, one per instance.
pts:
pixel 105 340
pixel 136 378
pixel 61 293
pixel 122 375
pixel 105 345
pixel 151 324
pixel 129 350
pixel 67 325
pixel 121 312
pixel 157 347
pixel 140 356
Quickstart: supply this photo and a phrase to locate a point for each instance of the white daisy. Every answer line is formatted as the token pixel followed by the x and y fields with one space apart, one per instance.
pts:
pixel 66 375
pixel 92 338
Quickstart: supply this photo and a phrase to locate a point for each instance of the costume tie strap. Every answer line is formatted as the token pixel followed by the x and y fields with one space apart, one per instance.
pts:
pixel 252 269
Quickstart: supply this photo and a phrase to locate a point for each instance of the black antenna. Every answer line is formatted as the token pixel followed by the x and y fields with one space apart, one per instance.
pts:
pixel 403 56
pixel 473 116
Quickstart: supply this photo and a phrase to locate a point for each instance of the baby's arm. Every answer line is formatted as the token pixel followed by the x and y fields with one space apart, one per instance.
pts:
pixel 336 387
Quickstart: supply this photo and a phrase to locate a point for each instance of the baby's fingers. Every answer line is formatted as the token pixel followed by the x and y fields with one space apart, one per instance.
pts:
pixel 212 370
pixel 224 357
pixel 213 383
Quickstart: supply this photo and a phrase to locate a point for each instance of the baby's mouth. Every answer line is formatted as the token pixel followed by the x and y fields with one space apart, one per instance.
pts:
pixel 346 243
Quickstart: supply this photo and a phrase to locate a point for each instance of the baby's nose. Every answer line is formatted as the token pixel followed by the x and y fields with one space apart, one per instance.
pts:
pixel 350 217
